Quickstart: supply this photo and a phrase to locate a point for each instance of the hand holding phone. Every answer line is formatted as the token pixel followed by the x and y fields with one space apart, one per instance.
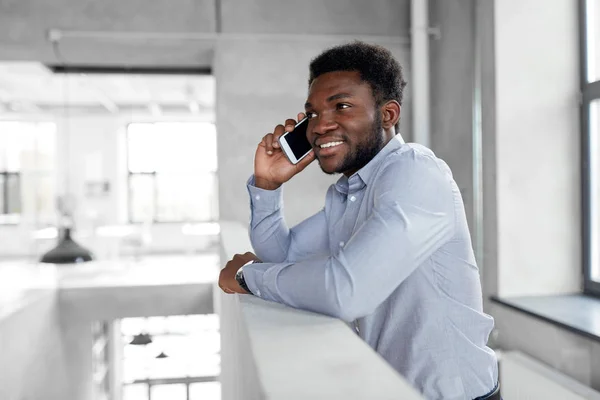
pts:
pixel 272 167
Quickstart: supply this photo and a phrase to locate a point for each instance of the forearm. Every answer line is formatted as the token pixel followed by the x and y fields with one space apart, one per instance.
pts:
pixel 269 235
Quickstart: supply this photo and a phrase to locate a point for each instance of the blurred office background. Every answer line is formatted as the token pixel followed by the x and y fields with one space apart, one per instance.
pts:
pixel 135 124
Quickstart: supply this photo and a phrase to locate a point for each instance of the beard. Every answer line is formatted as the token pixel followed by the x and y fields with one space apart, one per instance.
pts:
pixel 364 153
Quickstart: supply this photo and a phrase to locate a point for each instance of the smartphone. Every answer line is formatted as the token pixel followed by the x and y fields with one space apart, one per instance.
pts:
pixel 294 144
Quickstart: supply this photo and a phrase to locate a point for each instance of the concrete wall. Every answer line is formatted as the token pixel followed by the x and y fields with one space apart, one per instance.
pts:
pixel 452 76
pixel 537 147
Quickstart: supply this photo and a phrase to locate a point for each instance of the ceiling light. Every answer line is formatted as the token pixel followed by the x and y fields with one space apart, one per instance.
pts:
pixel 141 339
pixel 67 251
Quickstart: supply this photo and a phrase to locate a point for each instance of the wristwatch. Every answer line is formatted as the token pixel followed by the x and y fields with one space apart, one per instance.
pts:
pixel 239 277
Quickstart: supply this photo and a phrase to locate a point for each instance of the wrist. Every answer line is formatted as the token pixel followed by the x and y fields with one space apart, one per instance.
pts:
pixel 239 277
pixel 265 184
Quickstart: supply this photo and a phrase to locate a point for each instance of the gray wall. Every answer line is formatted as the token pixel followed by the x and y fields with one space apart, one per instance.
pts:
pixel 452 75
pixel 537 147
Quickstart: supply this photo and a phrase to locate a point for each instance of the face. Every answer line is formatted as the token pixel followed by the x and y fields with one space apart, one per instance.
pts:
pixel 345 128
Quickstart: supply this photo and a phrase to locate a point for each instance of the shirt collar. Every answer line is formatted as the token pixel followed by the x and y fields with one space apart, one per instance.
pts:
pixel 361 178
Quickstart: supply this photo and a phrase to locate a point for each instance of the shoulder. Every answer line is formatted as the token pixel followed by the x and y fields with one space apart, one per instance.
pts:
pixel 413 159
pixel 414 171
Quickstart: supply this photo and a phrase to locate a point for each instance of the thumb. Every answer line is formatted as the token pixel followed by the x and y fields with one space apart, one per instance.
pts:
pixel 306 160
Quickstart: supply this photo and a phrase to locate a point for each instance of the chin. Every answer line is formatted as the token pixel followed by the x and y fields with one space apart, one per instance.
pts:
pixel 329 168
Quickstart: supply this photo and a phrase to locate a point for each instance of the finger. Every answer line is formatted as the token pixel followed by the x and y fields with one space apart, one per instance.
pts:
pixel 278 131
pixel 310 157
pixel 250 256
pixel 301 116
pixel 290 124
pixel 269 143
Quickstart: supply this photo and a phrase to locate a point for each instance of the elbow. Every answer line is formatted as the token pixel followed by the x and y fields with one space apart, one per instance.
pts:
pixel 345 297
pixel 349 314
pixel 266 252
pixel 349 307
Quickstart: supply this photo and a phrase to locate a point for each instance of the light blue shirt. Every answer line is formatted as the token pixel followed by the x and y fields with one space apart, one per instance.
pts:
pixel 391 252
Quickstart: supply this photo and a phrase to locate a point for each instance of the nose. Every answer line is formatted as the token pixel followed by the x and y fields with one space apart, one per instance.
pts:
pixel 324 123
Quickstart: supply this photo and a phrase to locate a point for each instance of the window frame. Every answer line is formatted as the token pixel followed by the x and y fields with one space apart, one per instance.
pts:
pixel 154 174
pixel 590 92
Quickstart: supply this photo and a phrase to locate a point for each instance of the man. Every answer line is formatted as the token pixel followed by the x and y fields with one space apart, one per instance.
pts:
pixel 391 250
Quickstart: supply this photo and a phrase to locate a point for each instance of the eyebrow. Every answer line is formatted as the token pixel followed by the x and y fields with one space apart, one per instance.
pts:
pixel 331 98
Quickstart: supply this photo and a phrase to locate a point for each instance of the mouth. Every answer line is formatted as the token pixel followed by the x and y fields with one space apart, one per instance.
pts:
pixel 329 144
pixel 329 148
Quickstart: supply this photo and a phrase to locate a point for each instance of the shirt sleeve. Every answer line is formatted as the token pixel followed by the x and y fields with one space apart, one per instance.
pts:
pixel 413 216
pixel 272 240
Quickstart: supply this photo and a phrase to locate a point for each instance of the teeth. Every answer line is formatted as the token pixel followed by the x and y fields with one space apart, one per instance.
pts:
pixel 330 144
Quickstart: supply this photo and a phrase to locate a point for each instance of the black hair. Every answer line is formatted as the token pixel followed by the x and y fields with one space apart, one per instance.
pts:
pixel 375 64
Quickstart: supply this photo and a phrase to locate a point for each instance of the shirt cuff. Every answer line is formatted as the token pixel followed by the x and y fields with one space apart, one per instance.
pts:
pixel 253 275
pixel 264 200
pixel 260 279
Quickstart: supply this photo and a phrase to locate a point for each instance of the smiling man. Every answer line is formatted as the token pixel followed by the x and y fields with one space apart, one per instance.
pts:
pixel 390 252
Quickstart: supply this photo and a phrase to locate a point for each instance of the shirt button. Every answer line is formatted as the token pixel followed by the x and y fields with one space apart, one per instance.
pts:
pixel 342 244
pixel 257 197
pixel 352 198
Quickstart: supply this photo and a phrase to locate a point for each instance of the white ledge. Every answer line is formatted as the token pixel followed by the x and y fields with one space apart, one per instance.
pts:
pixel 271 351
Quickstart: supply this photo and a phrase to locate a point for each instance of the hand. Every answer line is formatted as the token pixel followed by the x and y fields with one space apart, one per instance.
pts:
pixel 271 166
pixel 227 281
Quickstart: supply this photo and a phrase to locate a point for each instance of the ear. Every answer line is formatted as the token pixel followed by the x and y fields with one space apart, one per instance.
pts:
pixel 390 114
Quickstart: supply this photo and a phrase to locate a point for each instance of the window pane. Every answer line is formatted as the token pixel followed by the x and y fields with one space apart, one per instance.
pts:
pixel 135 392
pixel 169 392
pixel 595 189
pixel 46 199
pixel 143 150
pixel 186 197
pixel 186 147
pixel 22 154
pixel 205 391
pixel 45 146
pixel 2 185
pixel 141 195
pixel 593 39
pixel 13 188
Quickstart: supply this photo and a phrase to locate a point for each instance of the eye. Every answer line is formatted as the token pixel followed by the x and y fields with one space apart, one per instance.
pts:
pixel 342 106
pixel 311 114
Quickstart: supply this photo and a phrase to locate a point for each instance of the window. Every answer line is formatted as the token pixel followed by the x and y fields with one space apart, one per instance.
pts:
pixel 27 172
pixel 172 172
pixel 181 361
pixel 590 122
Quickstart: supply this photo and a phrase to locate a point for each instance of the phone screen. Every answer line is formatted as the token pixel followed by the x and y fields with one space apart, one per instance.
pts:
pixel 297 140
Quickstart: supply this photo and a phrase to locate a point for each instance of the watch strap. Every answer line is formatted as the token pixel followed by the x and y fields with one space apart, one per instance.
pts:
pixel 239 277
